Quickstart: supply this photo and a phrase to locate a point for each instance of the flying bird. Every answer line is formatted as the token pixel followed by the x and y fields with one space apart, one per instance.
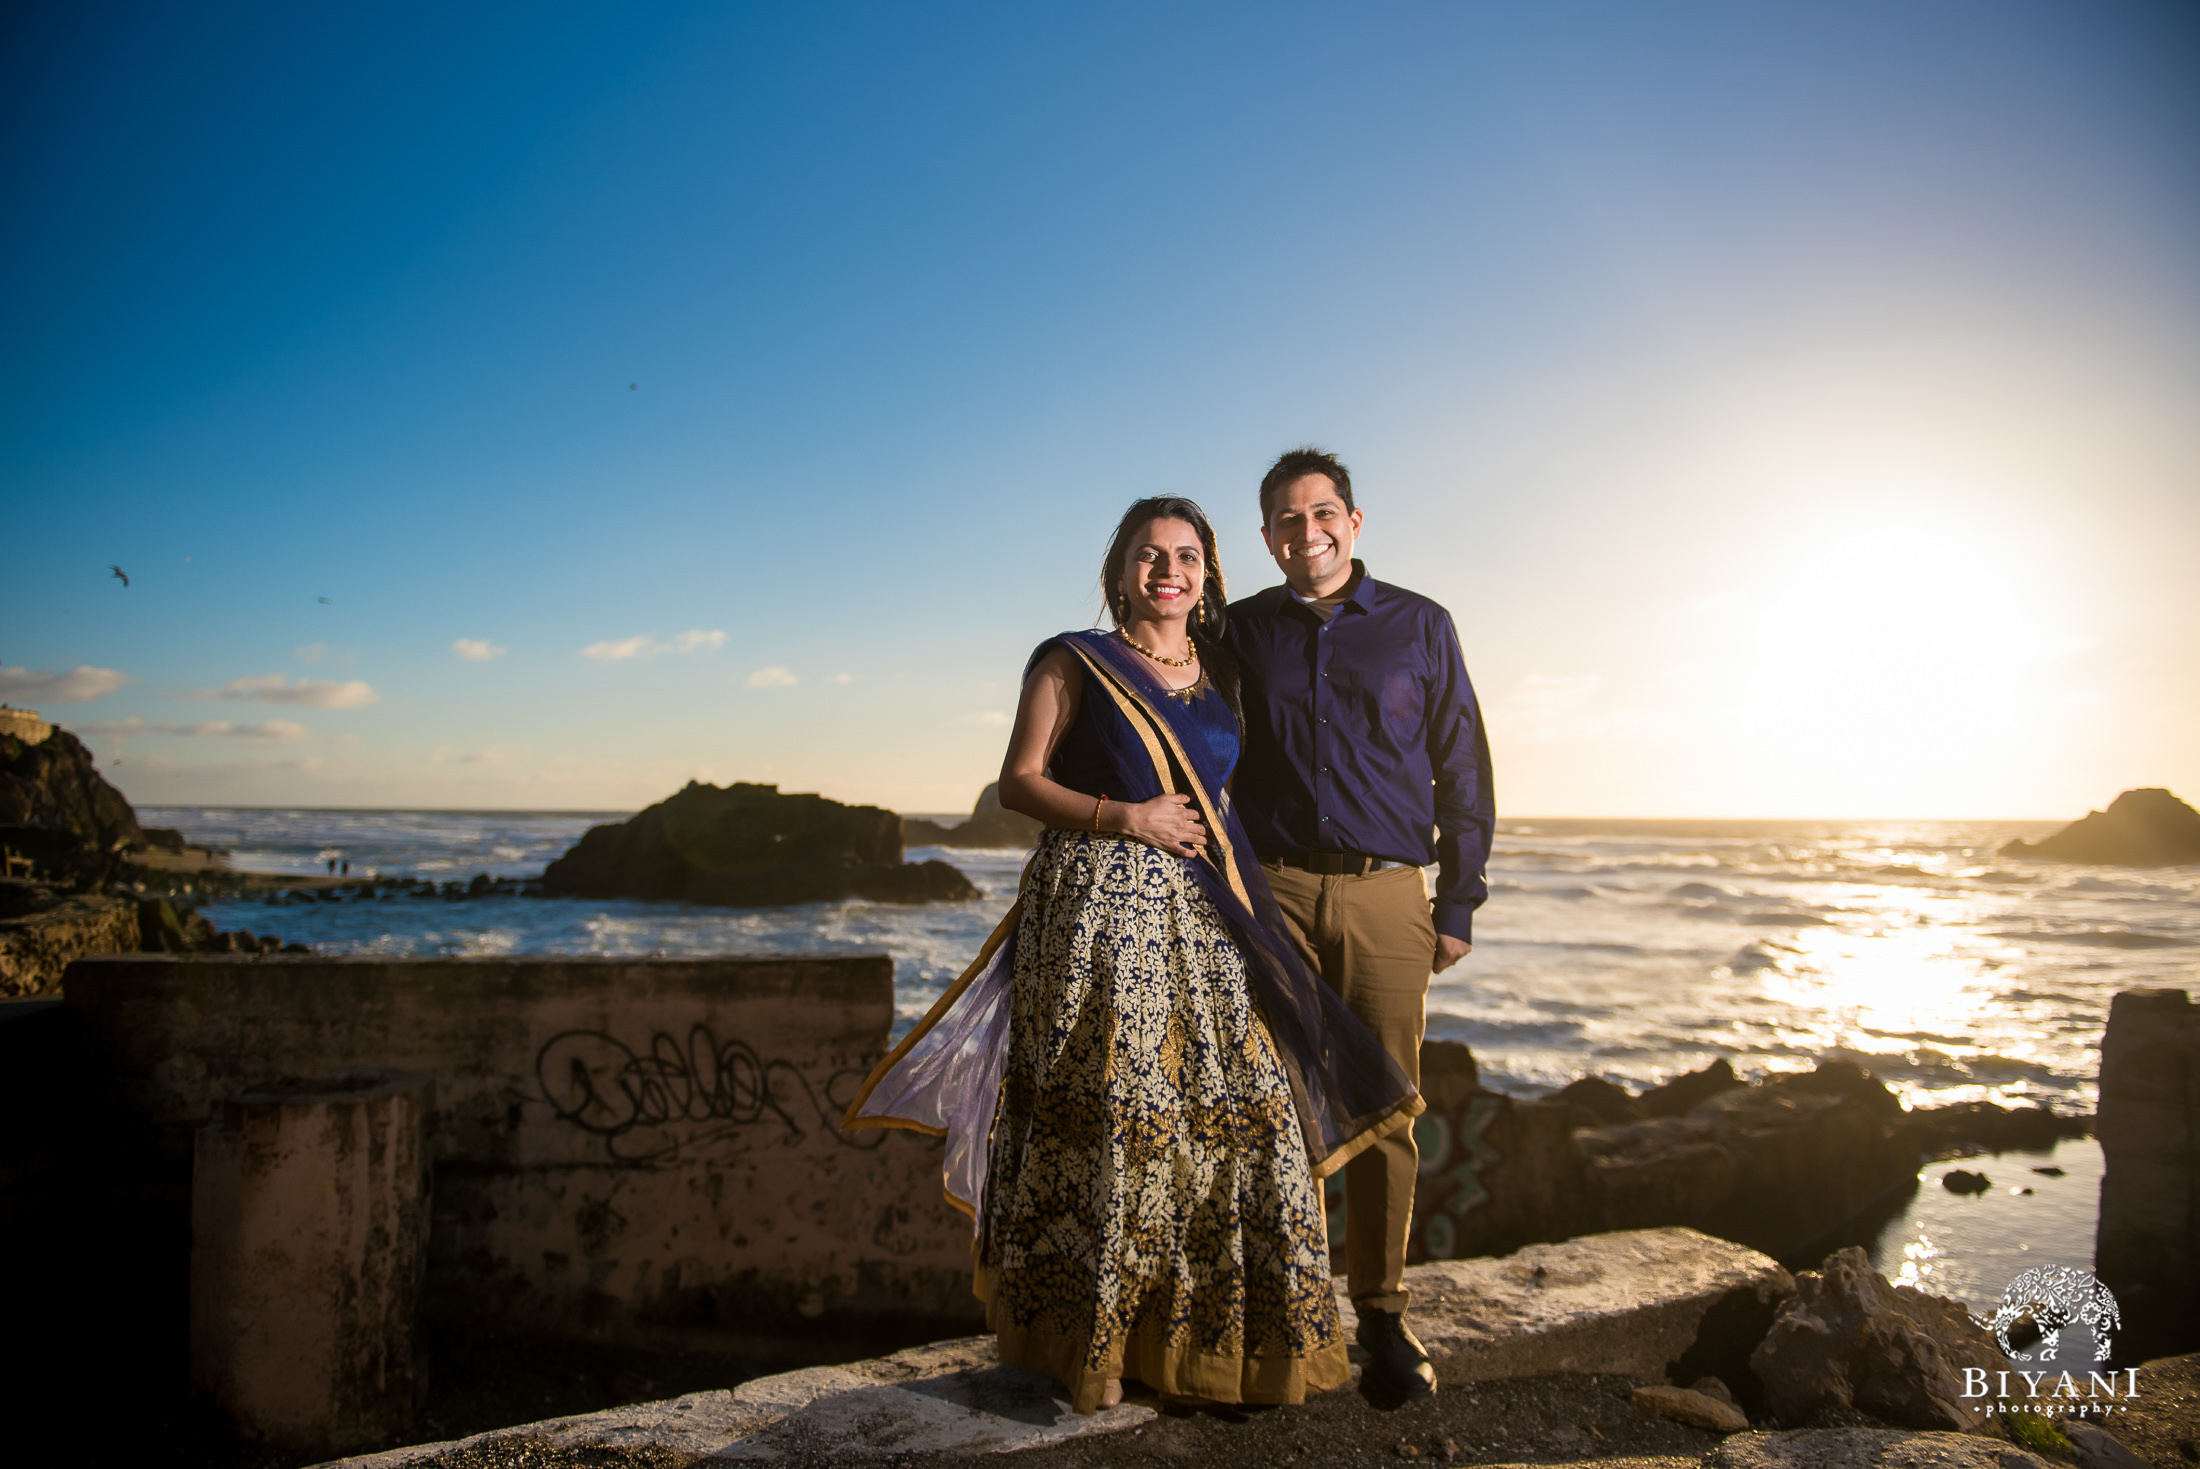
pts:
pixel 322 599
pixel 117 573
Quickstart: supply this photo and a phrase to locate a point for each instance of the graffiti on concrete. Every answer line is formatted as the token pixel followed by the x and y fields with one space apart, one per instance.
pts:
pixel 673 1095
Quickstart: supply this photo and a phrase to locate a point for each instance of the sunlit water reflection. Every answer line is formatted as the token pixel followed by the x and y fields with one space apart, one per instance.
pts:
pixel 1631 950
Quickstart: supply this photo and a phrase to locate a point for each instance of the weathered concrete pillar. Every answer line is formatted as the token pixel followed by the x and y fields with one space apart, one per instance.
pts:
pixel 309 1223
pixel 2148 1249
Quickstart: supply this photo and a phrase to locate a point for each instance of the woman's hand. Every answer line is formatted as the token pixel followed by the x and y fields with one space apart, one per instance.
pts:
pixel 1170 823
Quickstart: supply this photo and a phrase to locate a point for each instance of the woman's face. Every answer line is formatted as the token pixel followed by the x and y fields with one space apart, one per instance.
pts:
pixel 1164 572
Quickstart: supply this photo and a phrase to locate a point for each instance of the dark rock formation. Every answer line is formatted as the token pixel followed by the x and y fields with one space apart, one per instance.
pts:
pixel 1966 1129
pixel 1848 1339
pixel 1609 1104
pixel 990 825
pixel 2142 828
pixel 750 846
pixel 52 784
pixel 1684 1093
pixel 2148 1249
pixel 1778 1166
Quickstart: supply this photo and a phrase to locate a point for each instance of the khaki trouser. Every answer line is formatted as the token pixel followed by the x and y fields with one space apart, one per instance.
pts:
pixel 1373 941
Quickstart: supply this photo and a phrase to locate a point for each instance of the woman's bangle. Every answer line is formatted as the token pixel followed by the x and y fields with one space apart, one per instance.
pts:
pixel 1096 812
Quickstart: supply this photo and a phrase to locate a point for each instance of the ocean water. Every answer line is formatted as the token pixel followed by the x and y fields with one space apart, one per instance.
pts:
pixel 1631 950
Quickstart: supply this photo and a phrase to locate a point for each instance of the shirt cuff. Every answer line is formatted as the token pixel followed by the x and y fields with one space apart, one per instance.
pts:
pixel 1455 920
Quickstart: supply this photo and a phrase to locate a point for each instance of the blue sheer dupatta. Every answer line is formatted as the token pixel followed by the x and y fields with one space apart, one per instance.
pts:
pixel 945 1076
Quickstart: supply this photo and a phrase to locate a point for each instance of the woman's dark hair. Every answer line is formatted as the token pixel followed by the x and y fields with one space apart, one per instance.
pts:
pixel 1210 617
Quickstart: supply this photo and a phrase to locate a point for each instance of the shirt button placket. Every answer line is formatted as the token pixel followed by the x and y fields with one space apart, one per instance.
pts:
pixel 1321 725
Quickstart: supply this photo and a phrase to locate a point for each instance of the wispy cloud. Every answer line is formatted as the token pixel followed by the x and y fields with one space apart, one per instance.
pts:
pixel 985 716
pixel 478 650
pixel 773 677
pixel 80 685
pixel 844 678
pixel 619 650
pixel 494 755
pixel 311 652
pixel 313 693
pixel 269 729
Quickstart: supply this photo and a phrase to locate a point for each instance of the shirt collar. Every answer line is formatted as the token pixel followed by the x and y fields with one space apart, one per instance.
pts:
pixel 1361 598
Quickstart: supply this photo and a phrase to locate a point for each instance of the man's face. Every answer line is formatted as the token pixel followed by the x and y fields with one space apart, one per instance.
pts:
pixel 1311 535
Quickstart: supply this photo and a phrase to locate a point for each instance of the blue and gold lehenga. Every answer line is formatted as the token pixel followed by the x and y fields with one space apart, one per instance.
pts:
pixel 1140 1083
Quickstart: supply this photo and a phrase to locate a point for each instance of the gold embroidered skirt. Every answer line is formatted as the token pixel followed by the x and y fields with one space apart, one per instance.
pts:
pixel 1149 1211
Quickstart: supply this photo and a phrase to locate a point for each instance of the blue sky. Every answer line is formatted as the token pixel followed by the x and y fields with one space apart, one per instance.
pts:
pixel 1793 404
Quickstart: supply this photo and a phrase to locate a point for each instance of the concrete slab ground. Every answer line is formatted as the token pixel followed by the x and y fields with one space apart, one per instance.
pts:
pixel 1632 1305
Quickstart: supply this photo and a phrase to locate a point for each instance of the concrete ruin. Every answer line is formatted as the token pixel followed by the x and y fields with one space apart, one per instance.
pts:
pixel 309 1234
pixel 2148 1249
pixel 623 1149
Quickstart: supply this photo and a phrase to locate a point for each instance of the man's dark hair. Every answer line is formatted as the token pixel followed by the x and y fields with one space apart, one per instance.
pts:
pixel 1298 464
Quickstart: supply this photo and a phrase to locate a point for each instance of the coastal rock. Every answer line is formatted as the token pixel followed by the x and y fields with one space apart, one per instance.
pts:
pixel 1685 1405
pixel 1608 1103
pixel 1771 1166
pixel 171 928
pixel 52 784
pixel 1777 1166
pixel 1848 1339
pixel 990 825
pixel 2148 1250
pixel 2142 828
pixel 748 845
pixel 1965 1129
pixel 53 930
pixel 1690 1090
pixel 1868 1448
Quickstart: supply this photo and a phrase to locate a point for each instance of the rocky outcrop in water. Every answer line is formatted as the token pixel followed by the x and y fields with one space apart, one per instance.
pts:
pixel 2142 828
pixel 990 825
pixel 748 845
pixel 1778 1166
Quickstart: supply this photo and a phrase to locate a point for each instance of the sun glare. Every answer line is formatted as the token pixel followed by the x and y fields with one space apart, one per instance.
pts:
pixel 1887 658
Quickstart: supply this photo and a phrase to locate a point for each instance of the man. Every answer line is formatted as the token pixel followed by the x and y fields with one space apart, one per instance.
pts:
pixel 1365 761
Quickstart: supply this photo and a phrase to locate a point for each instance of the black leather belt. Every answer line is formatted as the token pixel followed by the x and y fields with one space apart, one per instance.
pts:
pixel 1337 864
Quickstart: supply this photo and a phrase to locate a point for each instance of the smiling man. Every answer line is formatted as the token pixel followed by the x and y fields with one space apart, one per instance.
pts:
pixel 1365 762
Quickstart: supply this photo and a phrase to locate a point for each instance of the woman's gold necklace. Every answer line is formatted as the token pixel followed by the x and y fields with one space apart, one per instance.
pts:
pixel 1190 657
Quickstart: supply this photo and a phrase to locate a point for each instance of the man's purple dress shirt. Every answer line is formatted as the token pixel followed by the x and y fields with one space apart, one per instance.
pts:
pixel 1362 734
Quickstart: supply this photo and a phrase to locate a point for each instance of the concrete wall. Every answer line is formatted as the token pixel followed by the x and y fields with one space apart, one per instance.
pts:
pixel 636 1149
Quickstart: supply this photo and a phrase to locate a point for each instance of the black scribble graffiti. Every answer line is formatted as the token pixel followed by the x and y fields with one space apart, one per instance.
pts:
pixel 651 1105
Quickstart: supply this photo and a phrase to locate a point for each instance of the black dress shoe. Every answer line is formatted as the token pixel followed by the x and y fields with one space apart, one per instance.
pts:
pixel 1397 1363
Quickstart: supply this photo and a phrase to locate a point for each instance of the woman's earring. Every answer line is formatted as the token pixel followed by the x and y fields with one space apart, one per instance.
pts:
pixel 1203 611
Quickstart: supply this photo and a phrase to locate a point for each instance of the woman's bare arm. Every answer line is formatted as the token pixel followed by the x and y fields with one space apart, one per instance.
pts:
pixel 1044 713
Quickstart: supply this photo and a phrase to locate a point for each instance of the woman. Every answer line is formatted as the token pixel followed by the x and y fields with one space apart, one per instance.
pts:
pixel 1139 1079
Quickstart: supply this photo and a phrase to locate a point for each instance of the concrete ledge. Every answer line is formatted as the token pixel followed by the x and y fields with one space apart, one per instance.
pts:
pixel 1630 1304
